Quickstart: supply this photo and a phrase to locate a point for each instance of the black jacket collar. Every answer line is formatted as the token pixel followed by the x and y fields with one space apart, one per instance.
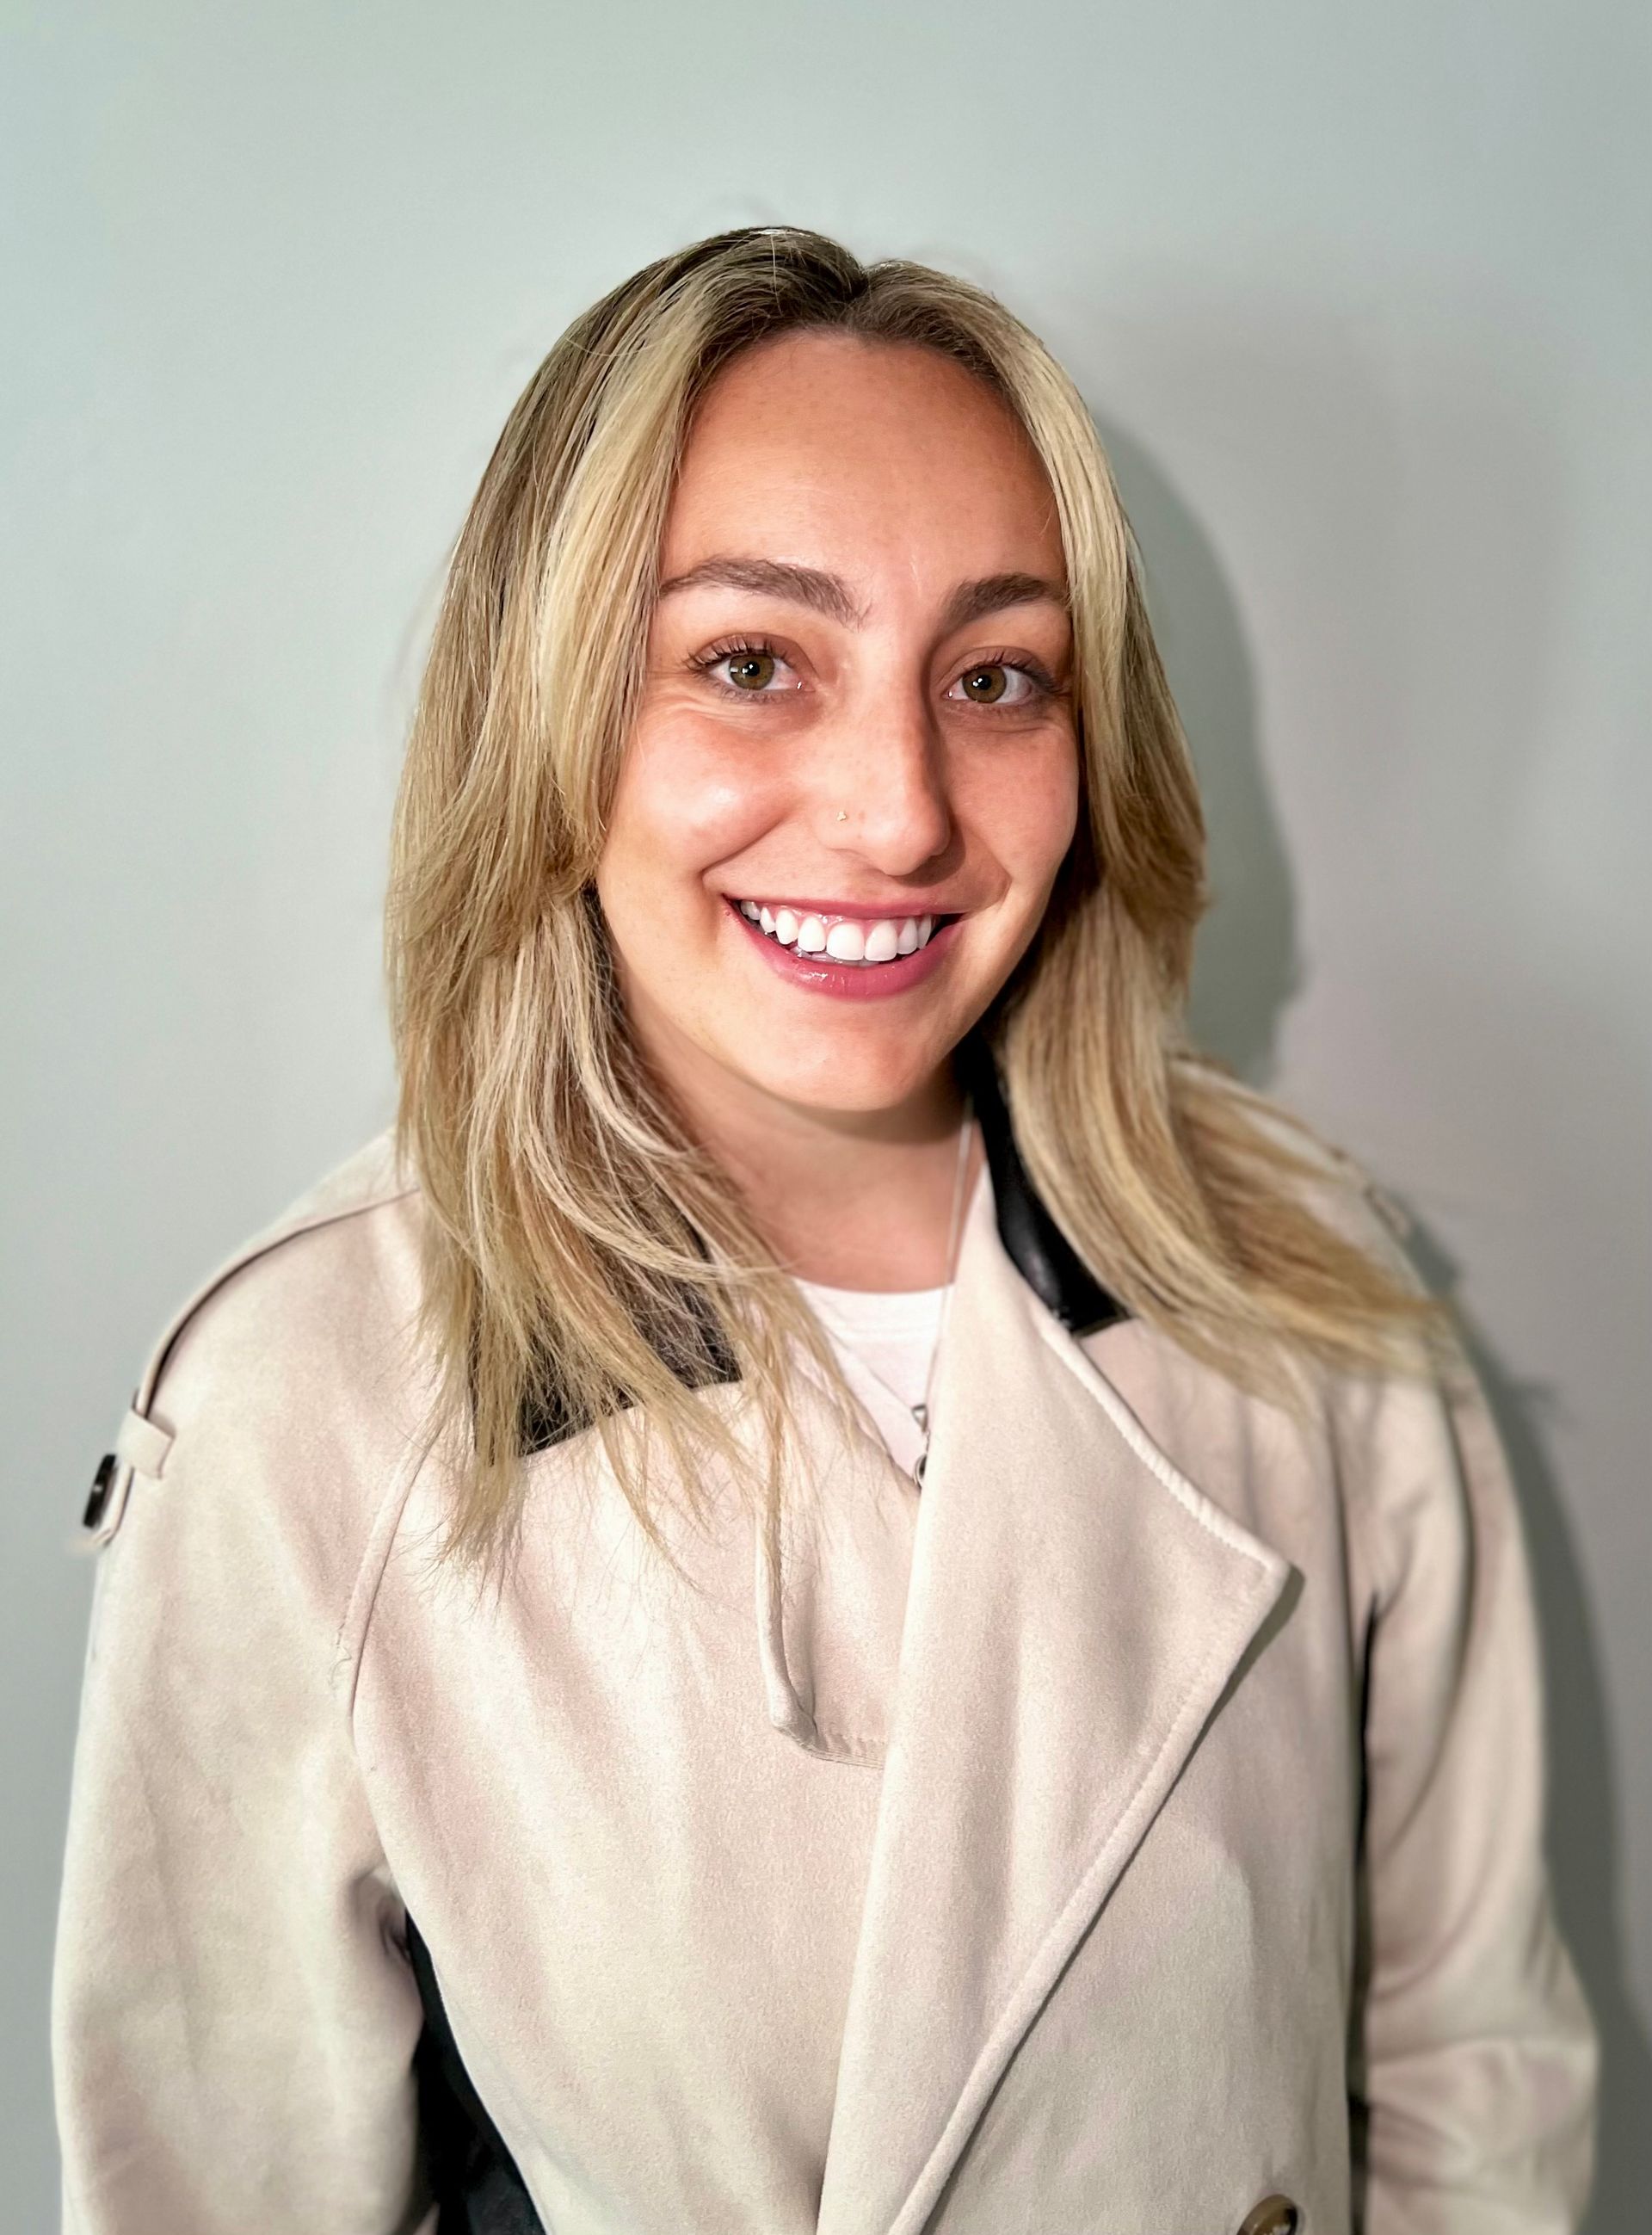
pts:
pixel 1042 1255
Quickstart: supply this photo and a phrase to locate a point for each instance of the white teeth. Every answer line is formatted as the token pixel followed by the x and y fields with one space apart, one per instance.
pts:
pixel 846 942
pixel 847 938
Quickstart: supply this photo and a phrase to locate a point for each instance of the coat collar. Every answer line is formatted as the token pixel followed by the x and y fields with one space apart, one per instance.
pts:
pixel 1076 1610
pixel 1035 1245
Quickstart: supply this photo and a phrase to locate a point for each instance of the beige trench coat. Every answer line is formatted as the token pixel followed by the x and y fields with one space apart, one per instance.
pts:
pixel 1137 1834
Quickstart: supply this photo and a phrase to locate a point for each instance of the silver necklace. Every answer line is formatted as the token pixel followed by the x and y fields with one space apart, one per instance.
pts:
pixel 920 1410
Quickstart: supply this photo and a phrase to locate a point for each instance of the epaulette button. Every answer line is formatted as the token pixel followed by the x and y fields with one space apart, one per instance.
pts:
pixel 100 1491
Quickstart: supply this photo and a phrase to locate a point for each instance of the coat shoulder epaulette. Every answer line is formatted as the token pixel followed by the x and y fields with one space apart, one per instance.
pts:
pixel 370 1178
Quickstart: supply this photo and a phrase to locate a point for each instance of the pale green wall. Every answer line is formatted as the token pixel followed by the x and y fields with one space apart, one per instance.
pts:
pixel 1360 295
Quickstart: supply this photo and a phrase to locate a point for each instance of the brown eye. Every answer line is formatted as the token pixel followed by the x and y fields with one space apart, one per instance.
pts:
pixel 1006 686
pixel 750 671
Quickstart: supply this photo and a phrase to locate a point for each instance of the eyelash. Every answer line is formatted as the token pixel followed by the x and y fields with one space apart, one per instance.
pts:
pixel 745 647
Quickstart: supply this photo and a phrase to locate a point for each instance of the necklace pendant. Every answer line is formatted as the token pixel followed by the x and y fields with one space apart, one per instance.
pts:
pixel 920 1414
pixel 917 1471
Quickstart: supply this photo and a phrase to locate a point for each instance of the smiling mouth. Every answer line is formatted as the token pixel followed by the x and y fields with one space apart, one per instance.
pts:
pixel 867 941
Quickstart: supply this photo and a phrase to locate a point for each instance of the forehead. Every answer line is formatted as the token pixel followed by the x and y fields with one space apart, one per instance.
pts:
pixel 857 456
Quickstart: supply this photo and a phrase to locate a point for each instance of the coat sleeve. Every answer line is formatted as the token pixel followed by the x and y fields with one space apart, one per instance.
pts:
pixel 1475 2071
pixel 234 2021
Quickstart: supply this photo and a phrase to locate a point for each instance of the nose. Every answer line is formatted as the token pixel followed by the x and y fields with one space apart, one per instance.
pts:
pixel 882 792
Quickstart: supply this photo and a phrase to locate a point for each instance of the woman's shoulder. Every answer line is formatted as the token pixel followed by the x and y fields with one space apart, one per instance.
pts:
pixel 315 1283
pixel 1324 1175
pixel 292 1371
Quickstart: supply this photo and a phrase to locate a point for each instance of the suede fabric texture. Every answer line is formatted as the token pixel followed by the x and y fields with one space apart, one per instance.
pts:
pixel 1144 1820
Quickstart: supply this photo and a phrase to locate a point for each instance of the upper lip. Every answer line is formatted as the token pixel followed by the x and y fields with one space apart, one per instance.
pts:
pixel 856 911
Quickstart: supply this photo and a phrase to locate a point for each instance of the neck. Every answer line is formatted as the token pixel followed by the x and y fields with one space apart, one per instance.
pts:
pixel 852 1199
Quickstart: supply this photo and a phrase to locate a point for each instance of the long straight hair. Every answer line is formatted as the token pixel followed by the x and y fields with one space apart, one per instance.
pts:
pixel 580 1250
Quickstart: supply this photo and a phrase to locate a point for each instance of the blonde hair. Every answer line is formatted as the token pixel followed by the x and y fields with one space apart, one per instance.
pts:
pixel 581 1252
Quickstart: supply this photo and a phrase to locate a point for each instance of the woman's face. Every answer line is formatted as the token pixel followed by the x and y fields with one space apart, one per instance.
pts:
pixel 853 773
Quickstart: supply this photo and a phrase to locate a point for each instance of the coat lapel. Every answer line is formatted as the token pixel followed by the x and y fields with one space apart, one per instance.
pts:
pixel 1075 1610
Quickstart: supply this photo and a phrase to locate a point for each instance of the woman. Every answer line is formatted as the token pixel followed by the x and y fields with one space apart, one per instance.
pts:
pixel 845 1591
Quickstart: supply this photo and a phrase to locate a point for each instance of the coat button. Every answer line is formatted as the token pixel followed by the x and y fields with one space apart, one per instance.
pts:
pixel 1275 2215
pixel 99 1492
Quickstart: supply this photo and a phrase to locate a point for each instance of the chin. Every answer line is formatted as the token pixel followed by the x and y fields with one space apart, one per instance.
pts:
pixel 846 1072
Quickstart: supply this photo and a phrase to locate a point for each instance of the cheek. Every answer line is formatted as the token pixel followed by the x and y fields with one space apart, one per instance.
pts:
pixel 689 797
pixel 1026 809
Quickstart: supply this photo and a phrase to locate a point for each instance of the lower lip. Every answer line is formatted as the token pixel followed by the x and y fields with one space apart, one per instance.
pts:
pixel 848 981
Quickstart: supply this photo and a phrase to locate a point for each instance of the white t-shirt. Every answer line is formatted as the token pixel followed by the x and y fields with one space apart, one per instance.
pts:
pixel 885 1341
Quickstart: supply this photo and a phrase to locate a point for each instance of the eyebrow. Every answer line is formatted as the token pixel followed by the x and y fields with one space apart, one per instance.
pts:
pixel 828 594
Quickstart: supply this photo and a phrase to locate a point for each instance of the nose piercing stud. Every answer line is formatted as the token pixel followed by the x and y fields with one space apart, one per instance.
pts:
pixel 842 815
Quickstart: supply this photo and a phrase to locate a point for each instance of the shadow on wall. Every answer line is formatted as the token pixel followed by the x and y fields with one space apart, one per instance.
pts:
pixel 1249 970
